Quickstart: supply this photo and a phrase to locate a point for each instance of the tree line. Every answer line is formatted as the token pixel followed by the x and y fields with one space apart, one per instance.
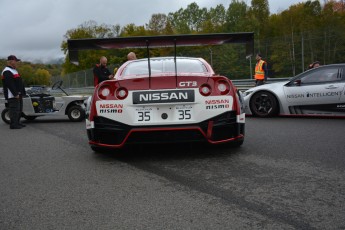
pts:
pixel 288 40
pixel 35 74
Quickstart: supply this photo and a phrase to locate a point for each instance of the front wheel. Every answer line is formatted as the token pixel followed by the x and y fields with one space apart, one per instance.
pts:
pixel 76 113
pixel 5 115
pixel 264 104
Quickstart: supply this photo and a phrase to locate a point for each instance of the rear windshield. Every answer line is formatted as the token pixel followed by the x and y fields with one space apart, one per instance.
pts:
pixel 165 66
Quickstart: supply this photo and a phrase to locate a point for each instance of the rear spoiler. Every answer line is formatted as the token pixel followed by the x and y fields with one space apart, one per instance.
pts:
pixel 74 45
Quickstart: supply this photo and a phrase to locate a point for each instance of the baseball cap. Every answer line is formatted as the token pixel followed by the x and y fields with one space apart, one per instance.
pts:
pixel 12 57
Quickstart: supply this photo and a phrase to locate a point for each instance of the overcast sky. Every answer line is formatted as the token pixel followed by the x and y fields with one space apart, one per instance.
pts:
pixel 33 29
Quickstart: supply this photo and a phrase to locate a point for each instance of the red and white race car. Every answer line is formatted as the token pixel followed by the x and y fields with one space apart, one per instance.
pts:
pixel 164 99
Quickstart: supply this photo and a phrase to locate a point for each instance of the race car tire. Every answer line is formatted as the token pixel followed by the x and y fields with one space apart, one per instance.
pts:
pixel 76 113
pixel 264 104
pixel 5 116
pixel 29 118
pixel 236 144
pixel 99 149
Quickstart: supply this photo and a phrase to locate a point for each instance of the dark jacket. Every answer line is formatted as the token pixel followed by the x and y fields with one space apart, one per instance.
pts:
pixel 12 81
pixel 100 73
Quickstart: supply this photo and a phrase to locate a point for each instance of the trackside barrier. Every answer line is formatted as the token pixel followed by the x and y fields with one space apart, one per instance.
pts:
pixel 242 85
pixel 245 84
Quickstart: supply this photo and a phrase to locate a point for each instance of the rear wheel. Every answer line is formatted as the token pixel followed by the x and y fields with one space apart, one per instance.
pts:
pixel 100 149
pixel 76 113
pixel 236 144
pixel 5 115
pixel 264 104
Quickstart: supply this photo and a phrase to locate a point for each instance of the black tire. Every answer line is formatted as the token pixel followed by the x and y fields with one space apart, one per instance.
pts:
pixel 99 149
pixel 29 118
pixel 264 104
pixel 76 113
pixel 236 144
pixel 6 116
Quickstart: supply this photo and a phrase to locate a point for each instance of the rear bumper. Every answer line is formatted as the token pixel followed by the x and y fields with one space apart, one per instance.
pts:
pixel 220 129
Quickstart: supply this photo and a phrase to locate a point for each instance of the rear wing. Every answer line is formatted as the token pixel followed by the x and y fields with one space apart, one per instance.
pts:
pixel 74 45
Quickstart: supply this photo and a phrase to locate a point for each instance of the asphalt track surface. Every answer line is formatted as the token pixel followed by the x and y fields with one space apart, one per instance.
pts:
pixel 289 174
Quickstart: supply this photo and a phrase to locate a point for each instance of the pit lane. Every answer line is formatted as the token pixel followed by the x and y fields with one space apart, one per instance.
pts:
pixel 289 174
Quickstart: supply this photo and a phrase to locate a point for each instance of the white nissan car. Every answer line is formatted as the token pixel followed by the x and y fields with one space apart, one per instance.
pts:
pixel 316 92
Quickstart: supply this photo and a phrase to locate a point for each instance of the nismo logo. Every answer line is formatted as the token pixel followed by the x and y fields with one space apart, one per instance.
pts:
pixel 145 97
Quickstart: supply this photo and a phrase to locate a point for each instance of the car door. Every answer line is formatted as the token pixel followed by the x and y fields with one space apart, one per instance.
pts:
pixel 316 90
pixel 341 105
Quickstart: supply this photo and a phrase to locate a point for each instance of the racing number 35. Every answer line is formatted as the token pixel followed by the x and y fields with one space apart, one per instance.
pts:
pixel 144 116
pixel 182 114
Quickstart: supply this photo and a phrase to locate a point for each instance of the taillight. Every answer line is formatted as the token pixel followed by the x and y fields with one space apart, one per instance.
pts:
pixel 205 90
pixel 121 93
pixel 223 87
pixel 104 91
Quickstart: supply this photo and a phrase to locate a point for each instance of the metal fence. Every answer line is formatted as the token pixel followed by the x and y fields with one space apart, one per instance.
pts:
pixel 82 81
pixel 245 84
pixel 84 84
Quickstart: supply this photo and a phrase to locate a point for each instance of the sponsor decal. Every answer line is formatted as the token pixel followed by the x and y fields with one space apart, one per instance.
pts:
pixel 172 96
pixel 188 84
pixel 324 94
pixel 183 107
pixel 110 108
pixel 143 109
pixel 217 101
pixel 102 111
pixel 317 109
pixel 226 106
pixel 313 95
pixel 294 96
pixel 217 104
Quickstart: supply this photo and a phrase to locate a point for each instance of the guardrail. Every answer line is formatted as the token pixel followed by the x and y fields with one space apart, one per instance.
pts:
pixel 245 84
pixel 242 84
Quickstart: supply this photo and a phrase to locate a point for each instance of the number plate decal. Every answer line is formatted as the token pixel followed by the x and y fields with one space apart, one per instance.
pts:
pixel 184 113
pixel 144 114
pixel 152 114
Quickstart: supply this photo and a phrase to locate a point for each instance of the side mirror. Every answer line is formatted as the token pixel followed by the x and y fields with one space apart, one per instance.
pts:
pixel 297 82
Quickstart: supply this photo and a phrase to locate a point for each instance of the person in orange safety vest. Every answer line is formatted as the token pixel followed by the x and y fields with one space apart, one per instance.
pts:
pixel 260 71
